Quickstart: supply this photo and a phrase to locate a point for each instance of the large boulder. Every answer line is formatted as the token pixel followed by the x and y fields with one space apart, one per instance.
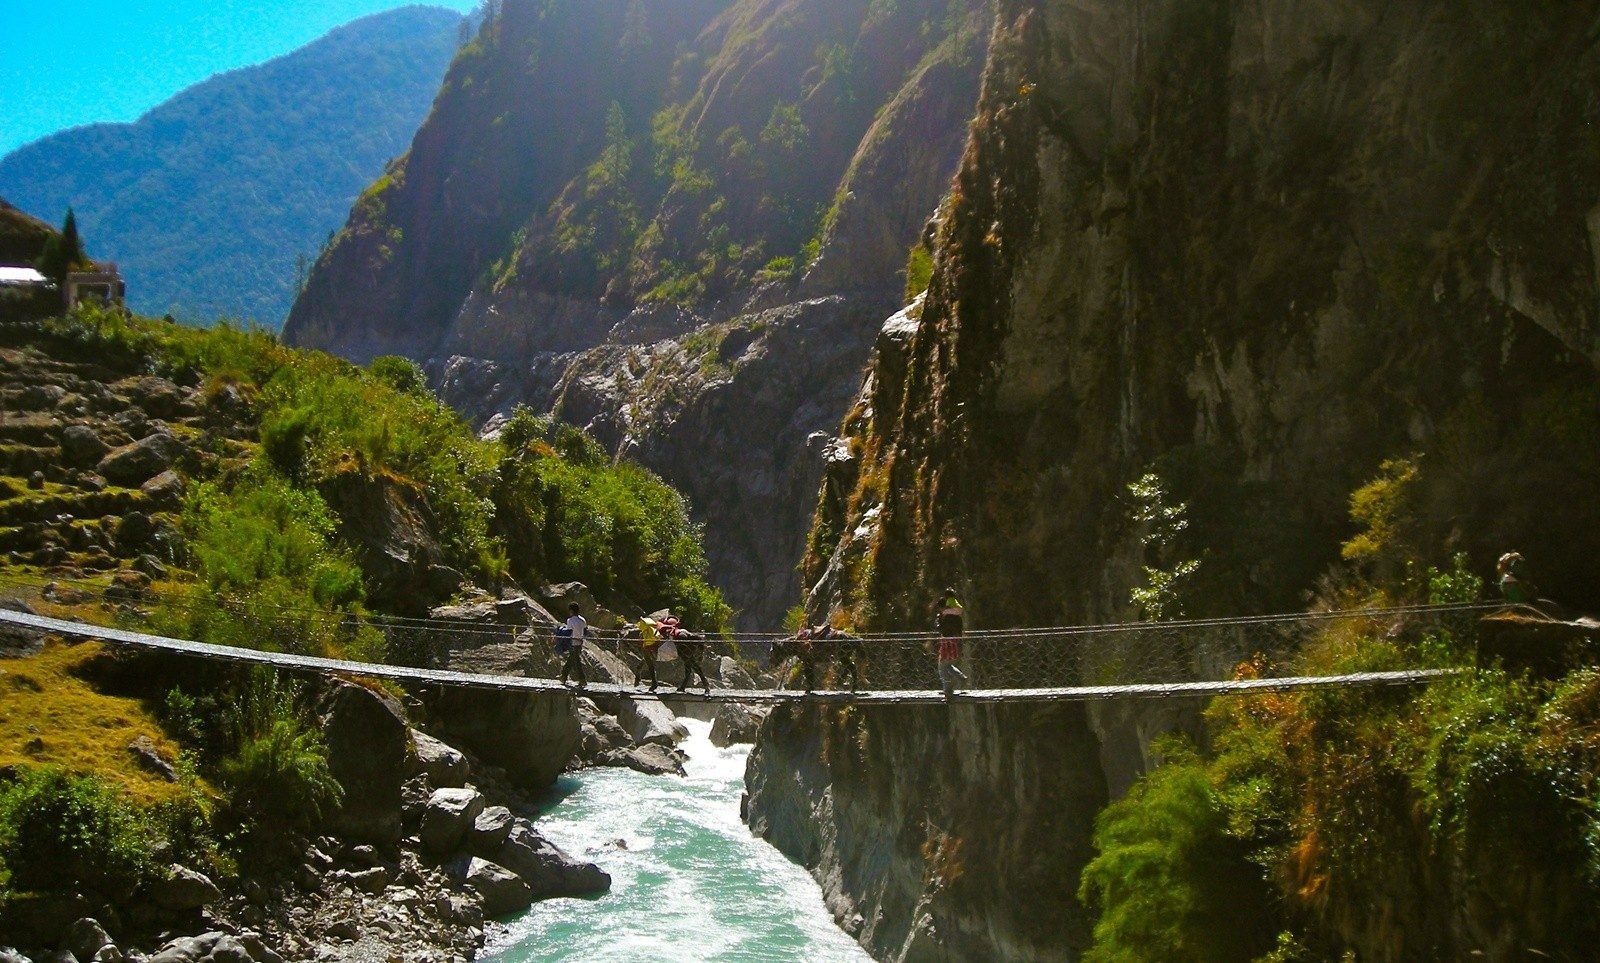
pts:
pixel 444 765
pixel 183 889
pixel 85 939
pixel 489 831
pixel 652 760
pixel 735 723
pixel 647 721
pixel 531 736
pixel 367 740
pixel 548 871
pixel 449 815
pixel 502 890
pixel 136 463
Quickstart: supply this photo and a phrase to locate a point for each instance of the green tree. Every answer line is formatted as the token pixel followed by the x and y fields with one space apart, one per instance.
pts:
pixel 63 252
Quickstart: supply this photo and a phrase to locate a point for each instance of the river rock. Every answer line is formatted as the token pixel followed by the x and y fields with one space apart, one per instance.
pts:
pixel 136 463
pixel 183 889
pixel 735 724
pixel 502 890
pixel 367 740
pixel 647 721
pixel 548 871
pixel 444 765
pixel 590 744
pixel 652 760
pixel 85 939
pixel 448 817
pixel 489 831
pixel 611 733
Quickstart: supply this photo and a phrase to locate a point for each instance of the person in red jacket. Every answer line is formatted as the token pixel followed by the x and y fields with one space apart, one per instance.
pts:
pixel 949 653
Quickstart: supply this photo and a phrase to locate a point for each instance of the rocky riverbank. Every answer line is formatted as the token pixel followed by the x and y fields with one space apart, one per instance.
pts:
pixel 436 837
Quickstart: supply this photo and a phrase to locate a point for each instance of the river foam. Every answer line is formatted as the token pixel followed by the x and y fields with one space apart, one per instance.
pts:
pixel 692 883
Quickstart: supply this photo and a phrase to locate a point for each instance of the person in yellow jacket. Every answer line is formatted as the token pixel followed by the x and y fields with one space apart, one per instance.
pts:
pixel 649 645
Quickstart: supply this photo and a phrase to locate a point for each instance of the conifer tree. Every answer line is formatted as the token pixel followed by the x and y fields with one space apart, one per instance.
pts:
pixel 62 252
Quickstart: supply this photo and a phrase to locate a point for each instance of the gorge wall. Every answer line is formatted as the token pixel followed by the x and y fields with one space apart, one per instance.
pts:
pixel 1256 248
pixel 678 224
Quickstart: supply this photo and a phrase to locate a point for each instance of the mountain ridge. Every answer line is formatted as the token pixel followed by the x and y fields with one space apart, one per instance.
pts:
pixel 208 198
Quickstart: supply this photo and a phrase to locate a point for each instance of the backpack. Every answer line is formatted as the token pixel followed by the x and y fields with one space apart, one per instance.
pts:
pixel 563 639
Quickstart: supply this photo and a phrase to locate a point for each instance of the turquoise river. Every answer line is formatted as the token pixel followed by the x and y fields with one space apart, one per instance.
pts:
pixel 692 883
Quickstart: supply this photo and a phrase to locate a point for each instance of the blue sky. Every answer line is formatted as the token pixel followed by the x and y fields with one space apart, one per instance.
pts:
pixel 112 60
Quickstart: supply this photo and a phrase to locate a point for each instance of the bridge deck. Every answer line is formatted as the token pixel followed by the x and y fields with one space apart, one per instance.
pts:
pixel 307 663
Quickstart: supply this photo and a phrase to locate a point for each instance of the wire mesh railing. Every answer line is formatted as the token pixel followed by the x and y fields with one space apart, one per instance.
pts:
pixel 1024 658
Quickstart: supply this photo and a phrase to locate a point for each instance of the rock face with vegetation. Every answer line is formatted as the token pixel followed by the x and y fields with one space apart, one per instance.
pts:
pixel 615 205
pixel 216 202
pixel 1316 281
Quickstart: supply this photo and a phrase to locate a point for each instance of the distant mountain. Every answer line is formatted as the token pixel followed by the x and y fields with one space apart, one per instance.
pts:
pixel 209 201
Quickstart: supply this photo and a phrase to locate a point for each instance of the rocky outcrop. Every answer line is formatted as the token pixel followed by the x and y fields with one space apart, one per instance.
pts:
pixel 368 740
pixel 736 724
pixel 532 737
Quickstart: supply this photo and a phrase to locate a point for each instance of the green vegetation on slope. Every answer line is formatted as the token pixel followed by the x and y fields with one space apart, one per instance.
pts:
pixel 308 456
pixel 260 523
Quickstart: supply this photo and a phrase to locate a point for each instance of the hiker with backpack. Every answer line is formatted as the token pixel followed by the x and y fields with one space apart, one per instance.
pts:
pixel 949 619
pixel 569 643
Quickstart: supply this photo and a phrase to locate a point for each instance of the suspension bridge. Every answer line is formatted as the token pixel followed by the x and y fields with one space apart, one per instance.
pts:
pixel 1196 658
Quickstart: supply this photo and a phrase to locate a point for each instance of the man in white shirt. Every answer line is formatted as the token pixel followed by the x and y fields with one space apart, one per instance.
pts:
pixel 573 666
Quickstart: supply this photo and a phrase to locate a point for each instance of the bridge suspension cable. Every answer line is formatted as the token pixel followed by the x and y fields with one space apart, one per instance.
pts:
pixel 1126 660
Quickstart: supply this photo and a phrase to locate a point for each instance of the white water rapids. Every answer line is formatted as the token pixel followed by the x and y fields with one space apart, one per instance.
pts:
pixel 692 884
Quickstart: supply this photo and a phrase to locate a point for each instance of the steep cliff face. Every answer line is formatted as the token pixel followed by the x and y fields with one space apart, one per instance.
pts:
pixel 752 157
pixel 901 818
pixel 1257 248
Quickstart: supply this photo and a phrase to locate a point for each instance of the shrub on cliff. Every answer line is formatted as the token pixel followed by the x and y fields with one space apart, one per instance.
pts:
pixel 1170 881
pixel 277 773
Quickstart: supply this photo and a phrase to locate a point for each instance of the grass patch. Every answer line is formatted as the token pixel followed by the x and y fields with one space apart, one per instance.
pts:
pixel 49 716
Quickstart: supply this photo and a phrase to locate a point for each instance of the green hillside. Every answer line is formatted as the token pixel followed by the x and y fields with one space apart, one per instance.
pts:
pixel 209 201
